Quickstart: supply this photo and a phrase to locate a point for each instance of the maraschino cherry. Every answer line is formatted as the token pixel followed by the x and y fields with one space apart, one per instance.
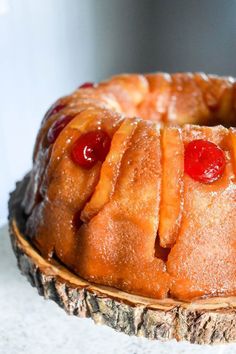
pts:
pixel 91 148
pixel 86 85
pixel 204 161
pixel 57 127
pixel 56 107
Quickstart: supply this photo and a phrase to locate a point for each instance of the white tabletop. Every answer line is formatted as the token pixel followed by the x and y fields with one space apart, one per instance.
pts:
pixel 31 325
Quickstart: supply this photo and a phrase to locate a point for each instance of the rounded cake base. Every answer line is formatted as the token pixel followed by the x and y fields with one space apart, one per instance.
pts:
pixel 206 321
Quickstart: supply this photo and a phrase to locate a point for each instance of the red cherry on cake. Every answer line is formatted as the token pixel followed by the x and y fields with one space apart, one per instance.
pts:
pixel 91 148
pixel 204 161
pixel 86 85
pixel 57 107
pixel 57 127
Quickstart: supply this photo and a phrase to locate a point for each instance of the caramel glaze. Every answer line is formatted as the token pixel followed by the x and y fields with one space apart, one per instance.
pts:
pixel 135 221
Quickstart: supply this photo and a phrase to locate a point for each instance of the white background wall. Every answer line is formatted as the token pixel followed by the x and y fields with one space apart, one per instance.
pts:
pixel 46 50
pixel 49 47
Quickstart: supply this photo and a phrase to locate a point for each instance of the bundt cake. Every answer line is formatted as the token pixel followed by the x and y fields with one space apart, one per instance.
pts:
pixel 133 185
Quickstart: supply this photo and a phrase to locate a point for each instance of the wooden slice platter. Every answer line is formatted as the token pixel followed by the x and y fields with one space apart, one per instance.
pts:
pixel 206 321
